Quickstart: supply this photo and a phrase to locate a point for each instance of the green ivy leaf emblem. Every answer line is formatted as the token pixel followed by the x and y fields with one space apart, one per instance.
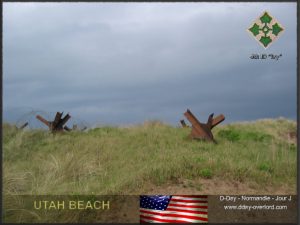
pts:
pixel 265 29
pixel 265 41
pixel 254 29
pixel 265 18
pixel 276 29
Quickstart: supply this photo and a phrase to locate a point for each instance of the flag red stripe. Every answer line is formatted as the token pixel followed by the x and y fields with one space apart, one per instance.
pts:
pixel 192 196
pixel 189 211
pixel 165 220
pixel 177 216
pixel 189 206
pixel 189 201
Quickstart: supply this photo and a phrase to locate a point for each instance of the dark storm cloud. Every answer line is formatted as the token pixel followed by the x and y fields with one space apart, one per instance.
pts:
pixel 122 63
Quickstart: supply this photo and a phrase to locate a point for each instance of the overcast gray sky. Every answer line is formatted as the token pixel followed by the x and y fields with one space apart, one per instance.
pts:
pixel 124 63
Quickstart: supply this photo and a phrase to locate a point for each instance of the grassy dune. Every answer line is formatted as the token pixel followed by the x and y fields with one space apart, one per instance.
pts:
pixel 112 160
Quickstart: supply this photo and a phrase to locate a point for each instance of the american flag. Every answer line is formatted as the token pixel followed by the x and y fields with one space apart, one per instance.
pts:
pixel 173 209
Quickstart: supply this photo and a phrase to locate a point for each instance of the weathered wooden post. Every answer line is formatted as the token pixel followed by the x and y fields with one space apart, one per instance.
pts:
pixel 201 130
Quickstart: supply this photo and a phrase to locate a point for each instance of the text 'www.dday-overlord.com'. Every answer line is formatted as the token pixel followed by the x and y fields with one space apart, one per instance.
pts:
pixel 248 202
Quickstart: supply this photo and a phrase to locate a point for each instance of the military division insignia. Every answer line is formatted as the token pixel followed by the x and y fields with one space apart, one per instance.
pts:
pixel 266 29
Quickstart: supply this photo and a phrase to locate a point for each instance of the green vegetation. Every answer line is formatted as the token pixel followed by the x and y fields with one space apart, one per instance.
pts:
pixel 206 173
pixel 115 160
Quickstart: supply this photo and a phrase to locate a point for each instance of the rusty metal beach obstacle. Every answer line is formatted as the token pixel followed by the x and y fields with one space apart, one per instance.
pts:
pixel 183 124
pixel 75 128
pixel 58 124
pixel 23 126
pixel 202 131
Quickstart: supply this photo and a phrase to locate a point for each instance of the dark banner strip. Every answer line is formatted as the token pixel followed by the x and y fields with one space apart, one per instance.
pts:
pixel 146 208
